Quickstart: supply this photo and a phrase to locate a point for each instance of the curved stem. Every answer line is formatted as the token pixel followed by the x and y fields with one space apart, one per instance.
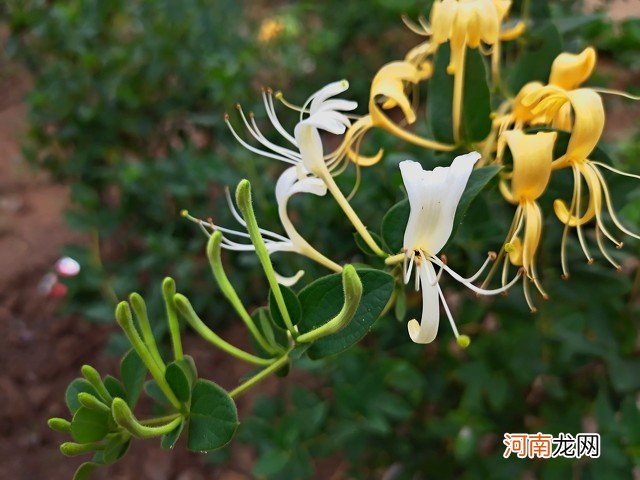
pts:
pixel 215 261
pixel 351 214
pixel 187 311
pixel 168 291
pixel 243 198
pixel 140 309
pixel 124 417
pixel 125 320
pixel 274 367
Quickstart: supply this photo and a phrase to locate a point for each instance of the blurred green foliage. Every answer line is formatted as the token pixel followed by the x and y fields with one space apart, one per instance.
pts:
pixel 127 108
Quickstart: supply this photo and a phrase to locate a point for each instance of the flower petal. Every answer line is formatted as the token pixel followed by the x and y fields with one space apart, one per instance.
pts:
pixel 328 91
pixel 570 70
pixel 433 199
pixel 427 329
pixel 310 145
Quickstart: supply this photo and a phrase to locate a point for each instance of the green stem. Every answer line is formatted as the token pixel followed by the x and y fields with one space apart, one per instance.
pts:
pixel 168 292
pixel 125 418
pixel 124 319
pixel 352 294
pixel 213 253
pixel 149 422
pixel 243 199
pixel 351 214
pixel 140 309
pixel 187 311
pixel 274 367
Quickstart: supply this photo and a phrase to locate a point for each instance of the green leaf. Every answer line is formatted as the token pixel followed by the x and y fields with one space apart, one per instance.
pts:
pixel 169 439
pixel 115 387
pixel 213 418
pixel 323 299
pixel 394 224
pixel 395 220
pixel 89 425
pixel 271 462
pixel 478 181
pixel 75 387
pixel 133 372
pixel 476 100
pixel 293 306
pixel 85 471
pixel 544 44
pixel 152 389
pixel 180 378
pixel 115 449
pixel 276 337
pixel 362 245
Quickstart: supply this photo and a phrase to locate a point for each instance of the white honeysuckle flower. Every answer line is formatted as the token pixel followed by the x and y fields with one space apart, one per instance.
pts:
pixel 289 183
pixel 319 112
pixel 433 199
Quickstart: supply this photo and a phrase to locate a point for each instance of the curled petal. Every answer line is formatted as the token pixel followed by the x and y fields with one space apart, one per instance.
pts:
pixel 570 70
pixel 426 330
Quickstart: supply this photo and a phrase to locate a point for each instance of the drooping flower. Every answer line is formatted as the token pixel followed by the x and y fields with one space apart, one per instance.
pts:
pixel 464 24
pixel 389 90
pixel 532 158
pixel 565 105
pixel 433 199
pixel 238 240
pixel 319 112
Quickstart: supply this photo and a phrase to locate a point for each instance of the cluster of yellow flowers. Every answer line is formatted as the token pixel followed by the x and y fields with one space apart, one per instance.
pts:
pixel 562 104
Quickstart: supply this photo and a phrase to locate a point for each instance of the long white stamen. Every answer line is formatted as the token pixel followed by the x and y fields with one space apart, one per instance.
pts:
pixel 240 220
pixel 448 312
pixel 615 170
pixel 490 257
pixel 407 272
pixel 258 151
pixel 271 113
pixel 258 135
pixel 470 285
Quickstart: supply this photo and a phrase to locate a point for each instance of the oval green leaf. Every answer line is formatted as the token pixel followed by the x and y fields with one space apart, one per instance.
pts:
pixel 75 387
pixel 89 425
pixel 180 379
pixel 213 418
pixel 293 307
pixel 133 372
pixel 85 471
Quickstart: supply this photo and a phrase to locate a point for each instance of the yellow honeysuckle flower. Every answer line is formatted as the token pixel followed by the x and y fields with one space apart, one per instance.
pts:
pixel 388 90
pixel 532 159
pixel 580 111
pixel 464 23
